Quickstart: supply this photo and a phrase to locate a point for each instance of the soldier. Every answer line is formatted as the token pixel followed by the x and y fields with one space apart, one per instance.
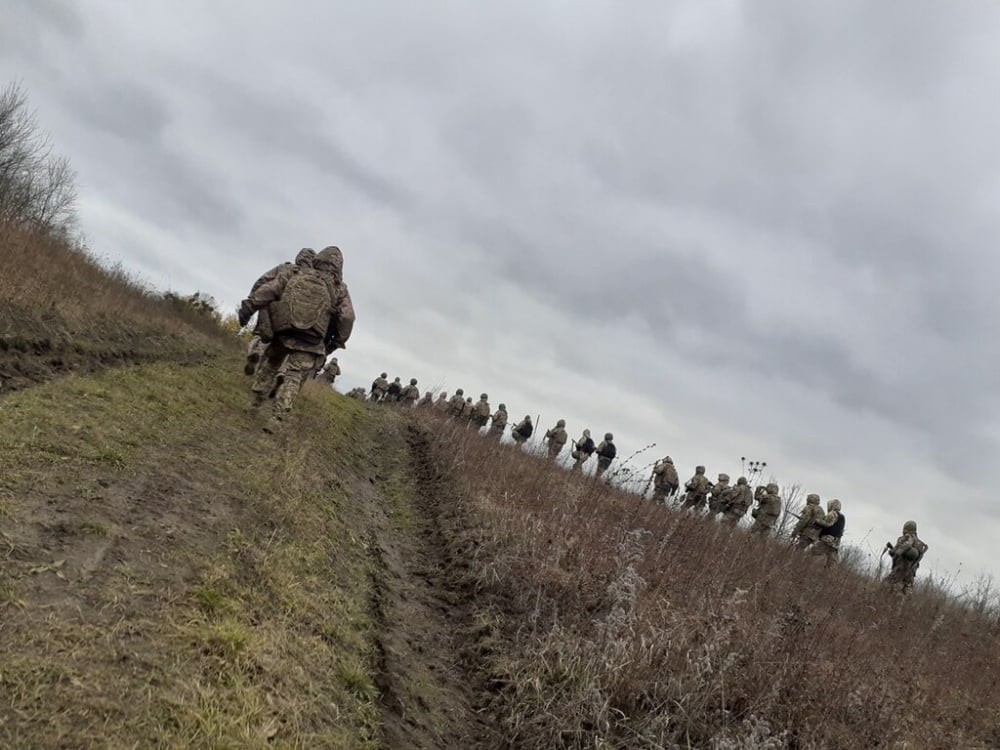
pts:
pixel 583 449
pixel 831 529
pixel 329 373
pixel 697 488
pixel 457 404
pixel 606 453
pixel 906 555
pixel 523 431
pixel 410 393
pixel 719 500
pixel 556 438
pixel 767 511
pixel 442 403
pixel 467 409
pixel 499 421
pixel 665 480
pixel 740 501
pixel 481 411
pixel 311 315
pixel 394 391
pixel 380 386
pixel 262 332
pixel 427 401
pixel 806 530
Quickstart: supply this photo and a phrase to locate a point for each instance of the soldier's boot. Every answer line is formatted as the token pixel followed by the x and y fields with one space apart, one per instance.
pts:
pixel 256 401
pixel 272 425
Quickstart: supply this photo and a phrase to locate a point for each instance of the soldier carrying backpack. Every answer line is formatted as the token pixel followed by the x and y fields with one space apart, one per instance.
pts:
pixel 311 315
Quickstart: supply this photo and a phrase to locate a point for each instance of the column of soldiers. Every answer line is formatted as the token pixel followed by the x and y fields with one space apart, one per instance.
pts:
pixel 819 531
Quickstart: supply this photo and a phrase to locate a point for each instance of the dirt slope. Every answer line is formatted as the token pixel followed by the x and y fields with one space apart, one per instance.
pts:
pixel 172 577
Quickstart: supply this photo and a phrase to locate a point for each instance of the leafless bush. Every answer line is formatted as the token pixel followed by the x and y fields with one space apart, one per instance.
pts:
pixel 37 187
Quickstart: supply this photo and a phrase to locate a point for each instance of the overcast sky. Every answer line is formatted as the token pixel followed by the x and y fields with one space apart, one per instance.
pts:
pixel 730 228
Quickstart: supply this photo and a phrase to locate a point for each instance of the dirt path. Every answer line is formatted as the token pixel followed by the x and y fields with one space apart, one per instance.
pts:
pixel 427 678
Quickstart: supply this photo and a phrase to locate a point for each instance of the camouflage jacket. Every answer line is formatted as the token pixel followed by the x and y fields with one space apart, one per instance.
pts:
pixel 481 410
pixel 741 498
pixel 769 506
pixel 904 543
pixel 410 393
pixel 826 522
pixel 807 527
pixel 380 385
pixel 698 485
pixel 556 437
pixel 499 420
pixel 665 476
pixel 456 405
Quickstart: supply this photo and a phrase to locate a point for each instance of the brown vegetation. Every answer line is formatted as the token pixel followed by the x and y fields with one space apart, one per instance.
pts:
pixel 627 625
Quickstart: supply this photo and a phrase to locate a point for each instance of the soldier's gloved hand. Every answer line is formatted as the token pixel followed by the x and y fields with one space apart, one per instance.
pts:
pixel 244 314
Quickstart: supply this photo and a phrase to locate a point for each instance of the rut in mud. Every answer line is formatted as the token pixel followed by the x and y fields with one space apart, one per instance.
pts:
pixel 427 671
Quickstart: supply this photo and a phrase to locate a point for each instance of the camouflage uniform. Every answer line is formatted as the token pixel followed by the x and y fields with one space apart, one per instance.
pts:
pixel 380 386
pixel 831 529
pixel 330 372
pixel 556 438
pixel 606 453
pixel 262 332
pixel 293 355
pixel 481 411
pixel 358 393
pixel 740 501
pixel 806 530
pixel 906 555
pixel 768 510
pixel 442 403
pixel 457 404
pixel 697 488
pixel 499 421
pixel 665 480
pixel 719 500
pixel 410 393
pixel 394 392
pixel 426 401
pixel 582 451
pixel 523 430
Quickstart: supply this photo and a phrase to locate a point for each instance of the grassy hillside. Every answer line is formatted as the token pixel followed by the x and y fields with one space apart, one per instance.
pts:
pixel 61 311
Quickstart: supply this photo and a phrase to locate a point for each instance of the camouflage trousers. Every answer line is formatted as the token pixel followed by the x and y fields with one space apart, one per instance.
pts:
pixel 901 578
pixel 603 464
pixel 733 516
pixel 497 431
pixel 663 493
pixel 694 501
pixel 281 375
pixel 763 524
pixel 804 541
pixel 554 450
pixel 579 462
pixel 255 353
pixel 827 551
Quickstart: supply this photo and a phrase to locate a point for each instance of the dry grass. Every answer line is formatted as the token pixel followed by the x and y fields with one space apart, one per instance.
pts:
pixel 634 626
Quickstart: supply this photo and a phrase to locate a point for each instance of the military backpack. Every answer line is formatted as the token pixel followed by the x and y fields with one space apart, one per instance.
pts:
pixel 305 303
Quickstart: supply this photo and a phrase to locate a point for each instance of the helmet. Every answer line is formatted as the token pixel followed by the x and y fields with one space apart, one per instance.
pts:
pixel 741 480
pixel 330 259
pixel 813 499
pixel 561 423
pixel 668 460
pixel 483 396
pixel 699 469
pixel 459 392
pixel 608 436
pixel 833 505
pixel 334 359
pixel 723 477
pixel 910 527
pixel 503 407
pixel 586 433
pixel 396 380
pixel 413 381
pixel 442 395
pixel 527 417
pixel 305 257
pixel 772 488
pixel 384 375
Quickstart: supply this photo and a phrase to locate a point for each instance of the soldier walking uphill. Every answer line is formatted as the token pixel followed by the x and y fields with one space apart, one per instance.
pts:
pixel 606 453
pixel 583 449
pixel 719 500
pixel 409 395
pixel 831 529
pixel 665 480
pixel 442 403
pixel 329 373
pixel 380 386
pixel 311 315
pixel 739 503
pixel 807 530
pixel 768 510
pixel 427 401
pixel 457 404
pixel 523 430
pixel 263 331
pixel 499 422
pixel 394 391
pixel 697 488
pixel 906 555
pixel 481 411
pixel 556 438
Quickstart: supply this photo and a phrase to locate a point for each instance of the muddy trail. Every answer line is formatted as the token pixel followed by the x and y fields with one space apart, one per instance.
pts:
pixel 428 673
